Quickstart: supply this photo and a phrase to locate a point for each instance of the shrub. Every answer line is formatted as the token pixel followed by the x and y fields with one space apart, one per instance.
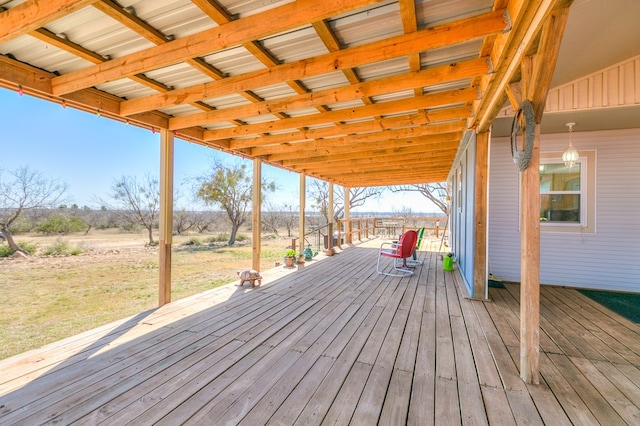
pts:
pixel 6 251
pixel 193 241
pixel 224 238
pixel 220 238
pixel 61 224
pixel 62 248
pixel 30 248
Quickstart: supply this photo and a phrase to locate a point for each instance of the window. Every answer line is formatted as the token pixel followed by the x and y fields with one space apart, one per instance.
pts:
pixel 567 194
pixel 561 192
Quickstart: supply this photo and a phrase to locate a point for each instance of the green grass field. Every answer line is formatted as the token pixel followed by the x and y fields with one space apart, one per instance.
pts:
pixel 48 298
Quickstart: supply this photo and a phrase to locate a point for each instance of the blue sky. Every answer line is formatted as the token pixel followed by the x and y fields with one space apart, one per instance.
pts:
pixel 89 152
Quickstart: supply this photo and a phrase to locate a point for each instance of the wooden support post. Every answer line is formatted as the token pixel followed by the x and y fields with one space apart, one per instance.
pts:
pixel 530 267
pixel 166 216
pixel 303 201
pixel 331 212
pixel 347 214
pixel 480 275
pixel 256 213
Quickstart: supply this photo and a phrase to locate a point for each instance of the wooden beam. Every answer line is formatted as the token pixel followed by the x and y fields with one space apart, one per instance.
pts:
pixel 424 117
pixel 166 217
pixel 253 27
pixel 480 274
pixel 431 38
pixel 451 97
pixel 436 75
pixel 410 24
pixel 220 16
pixel 116 12
pixel 354 143
pixel 37 82
pixel 375 163
pixel 509 49
pixel 213 9
pixel 326 34
pixel 256 213
pixel 47 36
pixel 396 170
pixel 33 14
pixel 446 143
pixel 548 49
pixel 393 180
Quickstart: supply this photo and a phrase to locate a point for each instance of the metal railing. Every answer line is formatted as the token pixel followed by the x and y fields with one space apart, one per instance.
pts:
pixel 318 238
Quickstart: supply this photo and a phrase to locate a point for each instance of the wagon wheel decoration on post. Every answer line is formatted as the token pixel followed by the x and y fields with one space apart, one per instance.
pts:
pixel 523 157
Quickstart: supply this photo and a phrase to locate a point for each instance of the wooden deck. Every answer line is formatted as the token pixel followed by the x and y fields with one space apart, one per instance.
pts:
pixel 335 343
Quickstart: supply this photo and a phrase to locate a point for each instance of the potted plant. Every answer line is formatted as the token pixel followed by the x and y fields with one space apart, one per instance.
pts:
pixel 308 253
pixel 290 258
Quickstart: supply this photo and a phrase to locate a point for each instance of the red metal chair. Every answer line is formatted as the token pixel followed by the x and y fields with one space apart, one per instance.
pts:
pixel 399 252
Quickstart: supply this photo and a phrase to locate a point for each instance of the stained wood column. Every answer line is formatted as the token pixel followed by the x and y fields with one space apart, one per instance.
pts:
pixel 331 216
pixel 530 267
pixel 166 216
pixel 480 276
pixel 256 213
pixel 347 214
pixel 303 201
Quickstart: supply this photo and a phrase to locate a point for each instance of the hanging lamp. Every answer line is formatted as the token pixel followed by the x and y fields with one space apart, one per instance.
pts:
pixel 570 156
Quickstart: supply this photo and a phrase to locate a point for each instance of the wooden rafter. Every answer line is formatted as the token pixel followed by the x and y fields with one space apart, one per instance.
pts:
pixel 386 136
pixel 427 144
pixel 508 50
pixel 34 14
pixel 220 16
pixel 431 38
pixel 445 73
pixel 432 120
pixel 131 21
pixel 236 32
pixel 452 97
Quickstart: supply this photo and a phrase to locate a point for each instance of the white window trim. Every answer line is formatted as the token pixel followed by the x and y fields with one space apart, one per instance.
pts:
pixel 587 223
pixel 583 193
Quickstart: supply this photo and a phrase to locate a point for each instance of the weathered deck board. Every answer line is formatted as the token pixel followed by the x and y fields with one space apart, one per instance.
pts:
pixel 334 342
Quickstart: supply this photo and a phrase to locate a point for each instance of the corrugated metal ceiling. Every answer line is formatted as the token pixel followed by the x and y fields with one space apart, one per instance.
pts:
pixel 106 30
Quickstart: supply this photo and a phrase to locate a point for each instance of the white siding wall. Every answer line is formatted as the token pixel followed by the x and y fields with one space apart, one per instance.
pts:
pixel 607 259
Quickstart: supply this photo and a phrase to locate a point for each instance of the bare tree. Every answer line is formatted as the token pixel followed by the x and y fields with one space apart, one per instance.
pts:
pixel 23 190
pixel 183 221
pixel 437 193
pixel 229 185
pixel 289 217
pixel 202 220
pixel 358 197
pixel 272 218
pixel 137 201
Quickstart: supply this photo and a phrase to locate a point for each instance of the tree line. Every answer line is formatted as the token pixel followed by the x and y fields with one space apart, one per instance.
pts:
pixel 30 201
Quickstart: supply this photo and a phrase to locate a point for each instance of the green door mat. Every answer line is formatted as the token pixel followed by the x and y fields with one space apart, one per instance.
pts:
pixel 624 304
